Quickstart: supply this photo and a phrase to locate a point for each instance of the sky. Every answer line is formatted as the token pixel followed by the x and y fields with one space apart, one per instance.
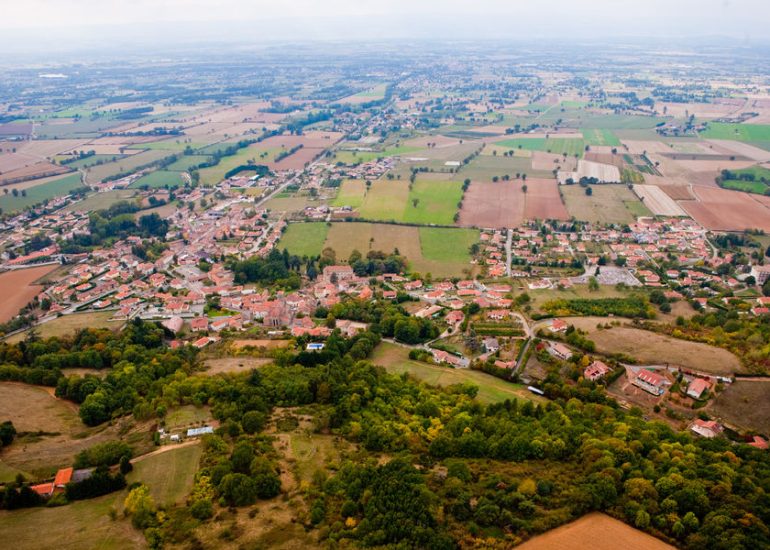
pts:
pixel 70 23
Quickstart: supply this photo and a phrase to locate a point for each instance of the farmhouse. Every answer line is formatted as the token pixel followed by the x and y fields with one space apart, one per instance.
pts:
pixel 491 345
pixel 596 370
pixel 697 387
pixel 706 428
pixel 560 350
pixel 760 273
pixel 558 325
pixel 649 381
pixel 441 356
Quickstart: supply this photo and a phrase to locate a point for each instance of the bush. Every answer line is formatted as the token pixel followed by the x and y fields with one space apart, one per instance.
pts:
pixel 108 453
pixel 202 509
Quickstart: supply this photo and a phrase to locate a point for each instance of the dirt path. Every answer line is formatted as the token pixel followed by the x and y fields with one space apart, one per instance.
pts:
pixel 165 449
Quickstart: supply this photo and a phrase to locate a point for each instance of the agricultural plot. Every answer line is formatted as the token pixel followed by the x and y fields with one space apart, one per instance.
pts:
pixel 542 201
pixel 441 244
pixel 744 403
pixel 358 157
pixel 658 201
pixel 17 289
pixel 187 162
pixel 606 204
pixel 386 200
pixel 93 160
pixel 67 325
pixel 738 132
pixel 600 136
pixel 486 167
pixel 169 473
pixel 738 179
pixel 433 202
pixel 96 174
pixel 159 179
pixel 351 193
pixel 39 193
pixel 559 146
pixel 304 239
pixel 493 205
pixel 724 210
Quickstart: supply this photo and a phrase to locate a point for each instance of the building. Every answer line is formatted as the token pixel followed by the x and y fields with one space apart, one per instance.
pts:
pixel 197 432
pixel 560 350
pixel 333 274
pixel 596 370
pixel 706 428
pixel 649 381
pixel 558 325
pixel 491 345
pixel 761 273
pixel 697 387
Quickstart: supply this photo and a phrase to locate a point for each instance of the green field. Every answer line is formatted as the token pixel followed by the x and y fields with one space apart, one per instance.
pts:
pixel 357 157
pixel 739 132
pixel 600 136
pixel 160 178
pixel 385 200
pixel 93 160
pixel 485 167
pixel 433 202
pixel 130 163
pixel 176 145
pixel 39 193
pixel 304 239
pixel 571 146
pixel 757 186
pixel 396 360
pixel 215 174
pixel 351 193
pixel 169 474
pixel 606 204
pixel 441 244
pixel 186 162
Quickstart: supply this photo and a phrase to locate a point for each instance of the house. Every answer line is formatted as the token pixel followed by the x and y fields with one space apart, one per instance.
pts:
pixel 560 350
pixel 197 432
pixel 558 325
pixel 649 381
pixel 441 356
pixel 706 428
pixel 174 324
pixel 455 317
pixel 758 443
pixel 63 477
pixel 428 312
pixel 350 328
pixel 697 387
pixel 333 274
pixel 199 324
pixel 498 314
pixel 596 370
pixel 491 345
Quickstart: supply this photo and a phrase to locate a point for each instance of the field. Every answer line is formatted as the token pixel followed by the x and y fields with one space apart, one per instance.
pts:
pixel 422 246
pixel 485 167
pixel 82 524
pixel 606 204
pixel 571 146
pixel 160 178
pixel 351 193
pixel 505 204
pixel 233 364
pixel 16 289
pixel 358 157
pixel 652 348
pixel 757 186
pixel 599 136
pixel 721 209
pixel 386 200
pixel 432 202
pixel 96 174
pixel 738 132
pixel 658 201
pixel 168 472
pixel 304 239
pixel 38 193
pixel 744 404
pixel 100 201
pixel 598 532
pixel 68 324
pixel 186 162
pixel 396 360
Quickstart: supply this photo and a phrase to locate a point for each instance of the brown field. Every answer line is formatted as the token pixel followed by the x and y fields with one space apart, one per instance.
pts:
pixel 32 171
pixel 652 348
pixel 744 403
pixel 542 200
pixel 66 325
pixel 607 204
pixel 95 174
pixel 658 201
pixel 440 141
pixel 269 344
pixel 604 158
pixel 740 148
pixel 550 161
pixel 233 364
pixel 710 165
pixel 598 532
pixel 16 289
pixel 493 205
pixel 725 210
pixel 16 161
pixel 700 110
pixel 48 148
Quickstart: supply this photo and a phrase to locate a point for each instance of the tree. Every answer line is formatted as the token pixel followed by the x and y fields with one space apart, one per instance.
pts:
pixel 7 433
pixel 238 489
pixel 524 188
pixel 589 191
pixel 593 284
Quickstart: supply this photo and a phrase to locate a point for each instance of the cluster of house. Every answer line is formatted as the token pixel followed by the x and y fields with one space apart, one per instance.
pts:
pixel 18 231
pixel 59 483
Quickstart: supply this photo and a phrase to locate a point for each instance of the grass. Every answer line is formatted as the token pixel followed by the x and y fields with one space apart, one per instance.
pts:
pixel 606 204
pixel 186 162
pixel 186 415
pixel 96 174
pixel 39 193
pixel 739 132
pixel 167 145
pixel 351 193
pixel 447 245
pixel 396 360
pixel 304 239
pixel 385 200
pixel 600 136
pixel 433 202
pixel 358 157
pixel 101 201
pixel 745 404
pixel 571 146
pixel 82 524
pixel 756 186
pixel 66 325
pixel 91 161
pixel 169 474
pixel 159 178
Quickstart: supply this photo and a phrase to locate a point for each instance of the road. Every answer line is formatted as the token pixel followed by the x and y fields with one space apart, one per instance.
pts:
pixel 508 259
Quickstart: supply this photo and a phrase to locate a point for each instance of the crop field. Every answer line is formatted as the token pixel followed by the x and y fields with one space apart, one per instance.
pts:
pixel 425 248
pixel 744 403
pixel 187 161
pixel 358 157
pixel 82 524
pixel 542 201
pixel 658 201
pixel 486 167
pixel 93 160
pixel 222 365
pixel 17 289
pixel 396 360
pixel 432 202
pixel 96 174
pixel 168 474
pixel 158 179
pixel 571 146
pixel 304 239
pixel 598 532
pixel 351 193
pixel 738 132
pixel 39 193
pixel 722 209
pixel 67 325
pixel 652 348
pixel 493 205
pixel 386 200
pixel 606 204
pixel 600 136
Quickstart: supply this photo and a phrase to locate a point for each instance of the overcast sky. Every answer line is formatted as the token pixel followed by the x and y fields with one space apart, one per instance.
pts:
pixel 90 21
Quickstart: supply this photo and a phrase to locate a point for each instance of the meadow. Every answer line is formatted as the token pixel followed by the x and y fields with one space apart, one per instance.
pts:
pixel 351 193
pixel 600 136
pixel 186 162
pixel 606 204
pixel 38 193
pixel 739 132
pixel 571 146
pixel 304 239
pixel 358 157
pixel 158 179
pixel 67 325
pixel 168 472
